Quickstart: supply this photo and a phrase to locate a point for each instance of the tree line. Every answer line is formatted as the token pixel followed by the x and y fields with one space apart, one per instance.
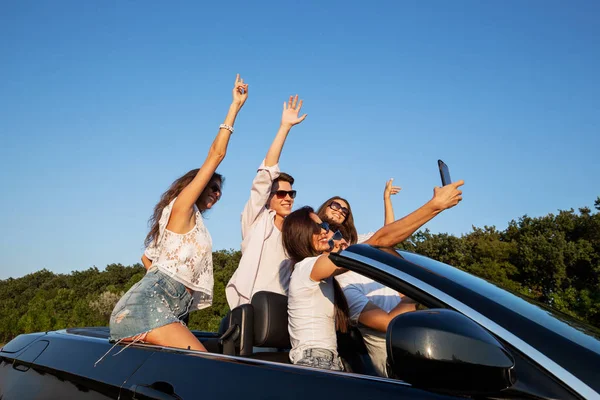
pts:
pixel 554 259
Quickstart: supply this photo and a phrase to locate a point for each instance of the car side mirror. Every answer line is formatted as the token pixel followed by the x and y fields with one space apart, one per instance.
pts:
pixel 443 350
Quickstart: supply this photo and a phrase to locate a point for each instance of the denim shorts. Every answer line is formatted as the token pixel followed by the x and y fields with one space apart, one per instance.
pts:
pixel 321 358
pixel 156 300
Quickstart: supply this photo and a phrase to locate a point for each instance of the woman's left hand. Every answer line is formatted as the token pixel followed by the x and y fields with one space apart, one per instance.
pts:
pixel 390 189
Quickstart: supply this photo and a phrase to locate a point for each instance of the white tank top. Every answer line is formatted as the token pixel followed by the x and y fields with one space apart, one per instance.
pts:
pixel 311 315
pixel 186 257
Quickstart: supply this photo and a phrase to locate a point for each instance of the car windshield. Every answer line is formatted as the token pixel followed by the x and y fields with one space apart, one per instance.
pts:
pixel 560 323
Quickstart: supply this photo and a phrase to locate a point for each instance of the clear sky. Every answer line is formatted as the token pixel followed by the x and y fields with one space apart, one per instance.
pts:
pixel 103 104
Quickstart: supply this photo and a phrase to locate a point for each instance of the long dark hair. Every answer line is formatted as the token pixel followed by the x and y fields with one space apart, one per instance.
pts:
pixel 297 233
pixel 169 195
pixel 348 222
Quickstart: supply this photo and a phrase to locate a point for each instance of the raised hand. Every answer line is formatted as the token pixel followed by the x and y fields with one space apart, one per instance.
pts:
pixel 240 91
pixel 291 109
pixel 390 189
pixel 447 196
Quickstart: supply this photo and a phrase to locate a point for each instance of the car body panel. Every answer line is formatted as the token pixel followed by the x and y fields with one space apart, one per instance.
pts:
pixel 74 363
pixel 67 363
pixel 218 376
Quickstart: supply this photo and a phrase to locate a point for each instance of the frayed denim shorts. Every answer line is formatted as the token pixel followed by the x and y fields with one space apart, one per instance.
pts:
pixel 156 300
pixel 321 358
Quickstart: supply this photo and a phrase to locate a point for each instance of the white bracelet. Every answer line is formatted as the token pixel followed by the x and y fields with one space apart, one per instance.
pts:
pixel 229 128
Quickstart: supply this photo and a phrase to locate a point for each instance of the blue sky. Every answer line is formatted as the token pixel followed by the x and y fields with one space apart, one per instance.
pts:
pixel 104 104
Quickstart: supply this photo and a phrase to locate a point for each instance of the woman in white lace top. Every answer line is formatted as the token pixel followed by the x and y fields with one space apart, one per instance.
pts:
pixel 178 254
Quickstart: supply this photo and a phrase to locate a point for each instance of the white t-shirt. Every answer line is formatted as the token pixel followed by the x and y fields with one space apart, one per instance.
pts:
pixel 311 315
pixel 363 237
pixel 359 290
pixel 274 267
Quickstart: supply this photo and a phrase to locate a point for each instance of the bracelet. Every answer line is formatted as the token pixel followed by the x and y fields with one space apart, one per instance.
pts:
pixel 229 128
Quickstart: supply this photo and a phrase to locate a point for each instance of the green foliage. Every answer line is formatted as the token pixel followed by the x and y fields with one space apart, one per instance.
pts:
pixel 555 259
pixel 45 301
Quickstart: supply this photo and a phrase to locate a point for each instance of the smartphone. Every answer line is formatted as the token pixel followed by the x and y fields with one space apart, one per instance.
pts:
pixel 444 173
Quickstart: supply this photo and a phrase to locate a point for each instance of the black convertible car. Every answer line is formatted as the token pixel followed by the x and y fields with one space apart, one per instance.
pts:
pixel 471 340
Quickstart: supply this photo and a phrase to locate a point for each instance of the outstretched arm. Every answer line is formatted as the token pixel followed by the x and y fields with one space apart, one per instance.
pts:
pixel 261 185
pixel 387 201
pixel 183 209
pixel 289 118
pixel 396 232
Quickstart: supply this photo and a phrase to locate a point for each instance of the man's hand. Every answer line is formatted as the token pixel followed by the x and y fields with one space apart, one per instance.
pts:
pixel 291 110
pixel 448 196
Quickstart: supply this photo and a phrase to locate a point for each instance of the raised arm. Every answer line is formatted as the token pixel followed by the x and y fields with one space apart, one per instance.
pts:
pixel 398 231
pixel 387 201
pixel 183 208
pixel 289 118
pixel 269 171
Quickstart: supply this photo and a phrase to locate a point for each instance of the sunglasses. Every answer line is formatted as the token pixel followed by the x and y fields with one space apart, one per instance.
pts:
pixel 282 193
pixel 338 207
pixel 215 187
pixel 324 226
pixel 336 236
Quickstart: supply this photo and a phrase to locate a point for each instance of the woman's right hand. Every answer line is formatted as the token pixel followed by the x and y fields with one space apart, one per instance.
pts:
pixel 291 109
pixel 240 91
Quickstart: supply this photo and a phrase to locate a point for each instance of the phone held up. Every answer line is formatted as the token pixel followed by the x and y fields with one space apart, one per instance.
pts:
pixel 444 173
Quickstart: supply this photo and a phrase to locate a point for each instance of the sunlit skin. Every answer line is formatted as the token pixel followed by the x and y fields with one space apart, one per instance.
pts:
pixel 210 196
pixel 282 207
pixel 320 241
pixel 339 245
pixel 289 117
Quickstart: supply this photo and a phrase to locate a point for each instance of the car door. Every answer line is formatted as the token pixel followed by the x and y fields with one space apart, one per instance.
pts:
pixel 173 374
pixel 62 366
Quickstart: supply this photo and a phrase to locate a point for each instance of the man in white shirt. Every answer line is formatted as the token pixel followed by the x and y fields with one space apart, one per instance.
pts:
pixel 264 265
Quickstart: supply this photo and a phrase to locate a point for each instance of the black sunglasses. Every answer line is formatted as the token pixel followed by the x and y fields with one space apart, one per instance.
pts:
pixel 282 193
pixel 338 207
pixel 215 187
pixel 323 225
pixel 336 236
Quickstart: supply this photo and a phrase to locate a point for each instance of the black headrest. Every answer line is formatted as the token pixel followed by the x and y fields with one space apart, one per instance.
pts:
pixel 270 320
